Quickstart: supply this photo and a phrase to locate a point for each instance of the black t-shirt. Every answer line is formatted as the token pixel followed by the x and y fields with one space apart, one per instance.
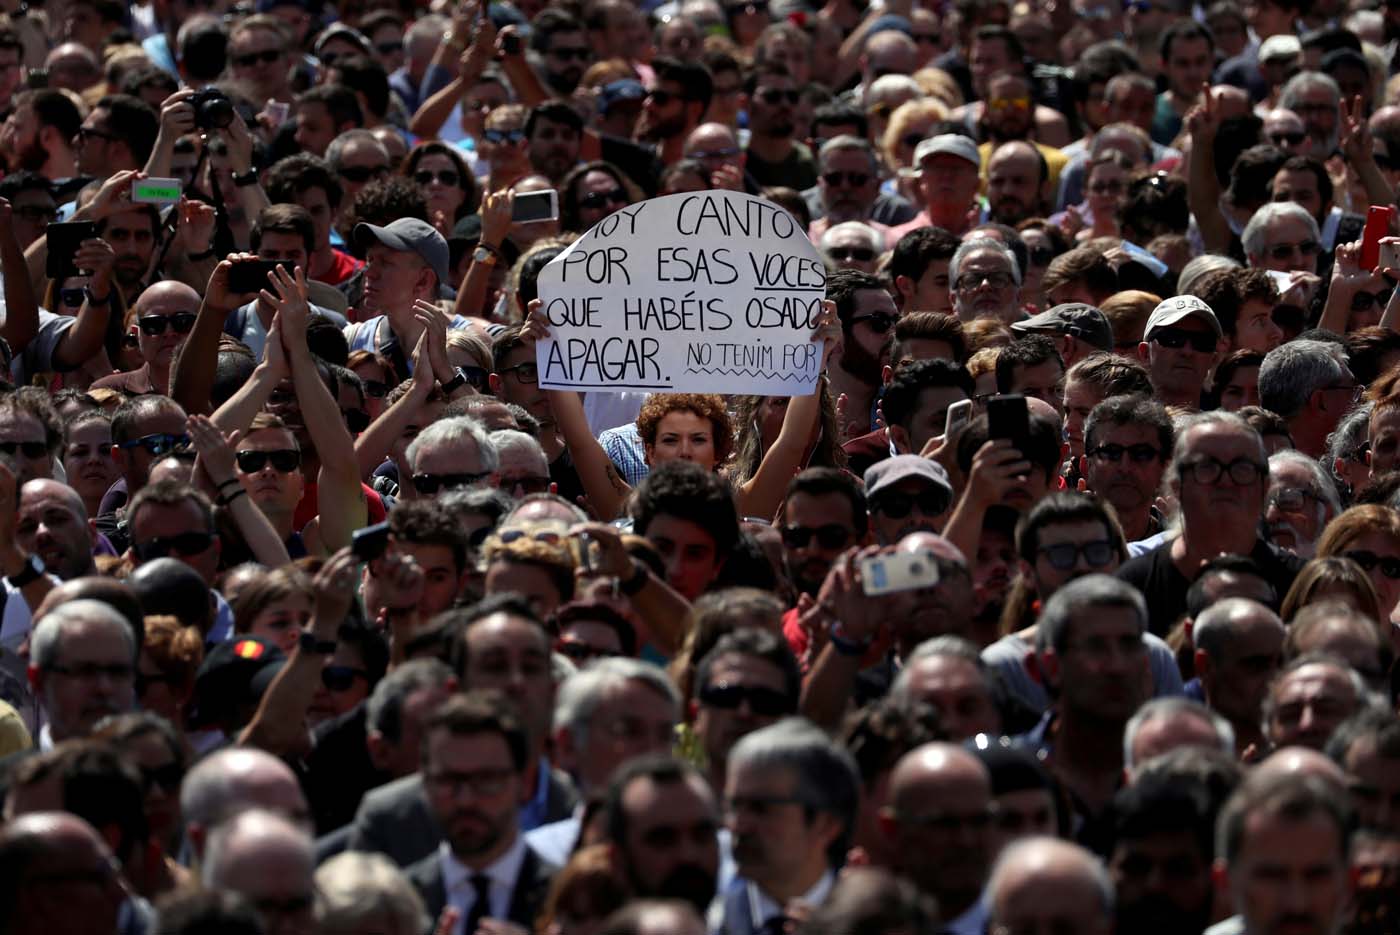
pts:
pixel 338 771
pixel 637 161
pixel 798 170
pixel 1164 588
pixel 563 473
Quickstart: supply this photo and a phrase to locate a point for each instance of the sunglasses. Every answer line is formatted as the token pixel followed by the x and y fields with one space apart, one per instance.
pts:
pixel 856 254
pixel 775 96
pixel 445 176
pixel 71 298
pixel 341 678
pixel 356 420
pixel 31 450
pixel 430 484
pixel 547 536
pixel 1291 499
pixel 528 483
pixel 661 97
pixel 830 537
pixel 168 777
pixel 1009 103
pixel 1390 567
pixel 477 377
pixel 284 460
pixel 388 48
pixel 1139 454
pixel 267 56
pixel 503 136
pixel 88 133
pixel 1362 301
pixel 595 200
pixel 159 443
pixel 1282 251
pixel 359 174
pixel 853 179
pixel 186 543
pixel 1287 139
pixel 154 325
pixel 879 322
pixel 765 702
pixel 898 505
pixel 581 652
pixel 1202 342
pixel 376 389
pixel 969 281
pixel 1065 555
pixel 566 54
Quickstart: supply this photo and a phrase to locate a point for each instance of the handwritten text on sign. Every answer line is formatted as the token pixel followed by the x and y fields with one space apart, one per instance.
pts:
pixel 709 292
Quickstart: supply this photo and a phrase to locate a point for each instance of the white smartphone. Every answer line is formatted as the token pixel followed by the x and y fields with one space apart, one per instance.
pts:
pixel 902 571
pixel 1390 253
pixel 958 413
pixel 536 206
pixel 276 112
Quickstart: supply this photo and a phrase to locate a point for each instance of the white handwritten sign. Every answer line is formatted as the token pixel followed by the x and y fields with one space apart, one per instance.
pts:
pixel 708 292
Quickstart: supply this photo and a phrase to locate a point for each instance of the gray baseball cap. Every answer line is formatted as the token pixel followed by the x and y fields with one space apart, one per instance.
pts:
pixel 1178 308
pixel 883 475
pixel 950 144
pixel 1083 321
pixel 411 236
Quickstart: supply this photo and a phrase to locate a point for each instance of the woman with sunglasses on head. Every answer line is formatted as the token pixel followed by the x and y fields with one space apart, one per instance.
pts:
pixel 591 192
pixel 1105 188
pixel 1369 535
pixel 165 315
pixel 446 181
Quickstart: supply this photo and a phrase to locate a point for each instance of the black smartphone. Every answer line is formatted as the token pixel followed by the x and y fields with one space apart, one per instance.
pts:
pixel 369 543
pixel 251 275
pixel 510 44
pixel 1007 417
pixel 63 242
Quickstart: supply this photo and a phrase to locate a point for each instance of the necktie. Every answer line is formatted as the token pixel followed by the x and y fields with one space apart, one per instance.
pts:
pixel 777 925
pixel 481 907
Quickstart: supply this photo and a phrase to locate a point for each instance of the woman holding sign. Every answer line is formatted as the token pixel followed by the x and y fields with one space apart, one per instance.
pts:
pixel 689 427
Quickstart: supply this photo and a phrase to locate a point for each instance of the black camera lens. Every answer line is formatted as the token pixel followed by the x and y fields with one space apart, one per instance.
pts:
pixel 212 109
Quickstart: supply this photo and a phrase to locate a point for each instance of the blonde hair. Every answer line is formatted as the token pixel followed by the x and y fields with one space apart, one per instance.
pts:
pixel 904 116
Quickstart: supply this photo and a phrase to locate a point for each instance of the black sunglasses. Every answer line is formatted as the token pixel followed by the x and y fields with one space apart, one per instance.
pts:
pixel 71 298
pixel 879 322
pixel 252 58
pixel 159 443
pixel 186 543
pixel 388 48
pixel 775 96
pixel 340 678
pixel 853 179
pixel 445 176
pixel 284 460
pixel 594 200
pixel 765 702
pixel 1361 301
pixel 478 377
pixel 153 325
pixel 1202 342
pixel 1390 567
pixel 829 537
pixel 849 254
pixel 431 483
pixel 579 54
pixel 1287 139
pixel 31 450
pixel 376 389
pixel 897 505
pixel 359 174
pixel 1064 555
pixel 503 136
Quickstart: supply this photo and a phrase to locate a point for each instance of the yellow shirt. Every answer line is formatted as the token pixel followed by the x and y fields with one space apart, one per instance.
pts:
pixel 1054 159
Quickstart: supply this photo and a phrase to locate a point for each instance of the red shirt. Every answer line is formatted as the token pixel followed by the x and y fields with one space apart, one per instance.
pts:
pixel 342 267
pixel 307 509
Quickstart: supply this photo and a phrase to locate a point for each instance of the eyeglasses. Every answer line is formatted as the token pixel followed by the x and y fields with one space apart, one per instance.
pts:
pixel 376 389
pixel 1282 251
pixel 547 536
pixel 185 543
pixel 356 420
pixel 480 782
pixel 569 53
pixel 92 671
pixel 1202 342
pixel 580 652
pixel 596 200
pixel 1390 567
pixel 477 377
pixel 765 702
pixel 1063 556
pixel 31 450
pixel 1291 499
pixel 854 179
pixel 1361 301
pixel 830 537
pixel 1354 389
pixel 447 177
pixel 525 373
pixel 86 133
pixel 341 678
pixel 704 155
pixel 431 483
pixel 1009 103
pixel 155 325
pixel 879 322
pixel 359 174
pixel 528 483
pixel 853 254
pixel 775 96
pixel 969 281
pixel 284 460
pixel 1209 470
pixel 503 136
pixel 248 60
pixel 158 443
pixel 168 777
pixel 897 505
pixel 1284 139
pixel 1139 454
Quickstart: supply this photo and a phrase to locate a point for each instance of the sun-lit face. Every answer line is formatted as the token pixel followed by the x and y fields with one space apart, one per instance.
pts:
pixel 683 435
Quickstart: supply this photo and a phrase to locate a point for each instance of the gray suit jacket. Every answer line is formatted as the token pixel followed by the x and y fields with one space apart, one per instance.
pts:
pixel 526 899
pixel 395 819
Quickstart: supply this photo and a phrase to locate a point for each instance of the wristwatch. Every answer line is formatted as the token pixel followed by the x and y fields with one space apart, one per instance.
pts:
pixel 94 300
pixel 247 178
pixel 485 255
pixel 455 384
pixel 32 571
pixel 308 643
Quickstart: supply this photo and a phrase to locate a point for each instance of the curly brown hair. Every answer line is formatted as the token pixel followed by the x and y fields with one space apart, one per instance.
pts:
pixel 705 405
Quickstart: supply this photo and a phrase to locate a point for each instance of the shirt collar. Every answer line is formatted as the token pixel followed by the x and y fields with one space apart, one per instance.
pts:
pixel 763 907
pixel 503 871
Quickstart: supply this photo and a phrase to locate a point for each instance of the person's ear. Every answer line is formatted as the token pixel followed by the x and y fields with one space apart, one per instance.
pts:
pixel 1048 664
pixel 1144 352
pixel 1083 465
pixel 1201 660
pixel 886 374
pixel 904 289
pixel 900 438
pixel 494 382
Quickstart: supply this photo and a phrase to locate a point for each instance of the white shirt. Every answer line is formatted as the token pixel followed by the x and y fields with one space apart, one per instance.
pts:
pixel 763 907
pixel 457 882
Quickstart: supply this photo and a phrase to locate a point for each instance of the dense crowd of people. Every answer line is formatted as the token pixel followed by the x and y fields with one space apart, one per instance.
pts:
pixel 1068 603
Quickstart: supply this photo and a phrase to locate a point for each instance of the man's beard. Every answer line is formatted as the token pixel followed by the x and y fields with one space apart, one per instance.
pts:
pixel 687 882
pixel 1010 211
pixel 800 581
pixel 565 82
pixel 32 156
pixel 859 362
pixel 656 132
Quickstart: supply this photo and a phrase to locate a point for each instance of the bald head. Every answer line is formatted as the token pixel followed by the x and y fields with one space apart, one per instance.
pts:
pixel 917 542
pixel 232 781
pixel 53 524
pixel 710 138
pixel 927 774
pixel 890 53
pixel 1230 619
pixel 52 490
pixel 1385 121
pixel 55 846
pixel 1040 881
pixel 166 295
pixel 256 851
pixel 1300 761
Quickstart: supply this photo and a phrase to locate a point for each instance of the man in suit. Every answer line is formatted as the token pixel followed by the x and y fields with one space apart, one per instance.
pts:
pixel 503 645
pixel 475 758
pixel 791 798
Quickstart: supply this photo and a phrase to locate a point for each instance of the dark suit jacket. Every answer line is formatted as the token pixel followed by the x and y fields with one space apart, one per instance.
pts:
pixel 395 820
pixel 526 899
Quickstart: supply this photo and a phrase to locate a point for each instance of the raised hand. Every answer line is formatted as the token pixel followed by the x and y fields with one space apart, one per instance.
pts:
pixel 217 294
pixel 495 217
pixel 215 454
pixel 829 330
pixel 1203 120
pixel 435 327
pixel 333 588
pixel 536 324
pixel 196 228
pixel 291 303
pixel 96 257
pixel 112 197
pixel 177 114
pixel 1355 132
pixel 480 51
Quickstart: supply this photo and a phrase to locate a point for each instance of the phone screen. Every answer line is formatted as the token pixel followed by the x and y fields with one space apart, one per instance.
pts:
pixel 536 206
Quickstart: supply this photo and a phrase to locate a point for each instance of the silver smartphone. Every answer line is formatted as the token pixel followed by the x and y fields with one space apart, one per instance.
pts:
pixel 902 571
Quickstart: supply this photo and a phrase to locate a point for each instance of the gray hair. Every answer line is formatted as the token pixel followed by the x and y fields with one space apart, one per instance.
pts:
pixel 1031 850
pixel 1322 485
pixel 337 146
pixel 1203 419
pixel 969 247
pixel 1364 698
pixel 1175 707
pixel 1212 630
pixel 581 693
pixel 50 630
pixel 431 27
pixel 877 243
pixel 384 710
pixel 453 431
pixel 1082 594
pixel 1291 96
pixel 1293 371
pixel 947 645
pixel 1257 230
pixel 827 777
pixel 256 828
pixel 507 439
pixel 848 143
pixel 354 888
pixel 1197 268
pixel 1351 431
pixel 892 84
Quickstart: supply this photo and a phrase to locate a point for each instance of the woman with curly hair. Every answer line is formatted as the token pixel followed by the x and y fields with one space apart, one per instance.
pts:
pixel 445 180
